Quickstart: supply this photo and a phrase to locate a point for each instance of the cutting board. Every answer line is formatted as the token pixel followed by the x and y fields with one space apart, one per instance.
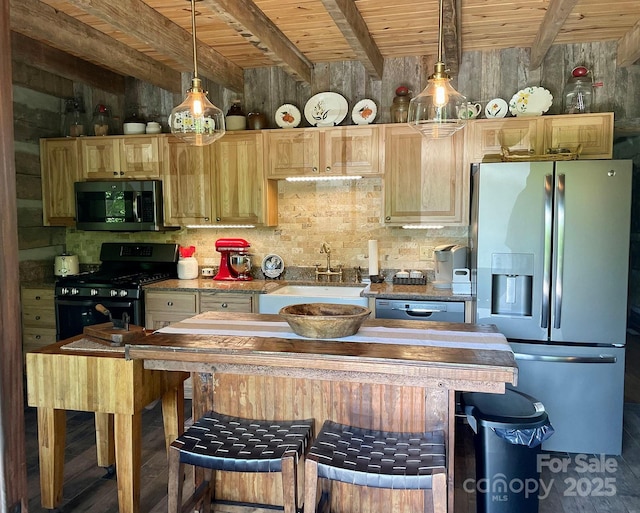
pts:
pixel 116 336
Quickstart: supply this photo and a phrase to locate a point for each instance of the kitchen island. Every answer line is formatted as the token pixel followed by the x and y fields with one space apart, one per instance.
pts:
pixel 392 375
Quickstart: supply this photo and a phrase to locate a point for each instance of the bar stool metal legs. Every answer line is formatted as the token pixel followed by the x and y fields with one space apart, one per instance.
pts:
pixel 379 459
pixel 223 442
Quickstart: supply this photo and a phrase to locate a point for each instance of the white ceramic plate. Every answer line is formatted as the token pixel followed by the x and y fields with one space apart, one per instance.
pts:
pixel 364 112
pixel 272 266
pixel 496 108
pixel 288 116
pixel 531 101
pixel 326 109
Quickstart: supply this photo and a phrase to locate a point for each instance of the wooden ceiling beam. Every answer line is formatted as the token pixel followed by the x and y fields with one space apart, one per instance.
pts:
pixel 353 27
pixel 557 13
pixel 39 21
pixel 250 22
pixel 629 47
pixel 44 57
pixel 451 36
pixel 136 18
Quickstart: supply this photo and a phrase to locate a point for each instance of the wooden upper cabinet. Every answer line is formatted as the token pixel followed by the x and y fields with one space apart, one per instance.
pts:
pixel 426 181
pixel 488 136
pixel 353 150
pixel 59 163
pixel 243 195
pixel 594 132
pixel 186 184
pixel 336 151
pixel 292 152
pixel 130 157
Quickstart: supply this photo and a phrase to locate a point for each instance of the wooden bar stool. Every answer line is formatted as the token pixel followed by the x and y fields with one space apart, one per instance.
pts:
pixel 380 459
pixel 223 442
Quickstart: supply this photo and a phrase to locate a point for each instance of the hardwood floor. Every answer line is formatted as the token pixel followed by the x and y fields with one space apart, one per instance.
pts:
pixel 89 488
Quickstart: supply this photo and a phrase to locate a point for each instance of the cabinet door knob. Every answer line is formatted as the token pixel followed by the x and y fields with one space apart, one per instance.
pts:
pixel 388 218
pixel 328 169
pixel 224 305
pixel 121 173
pixel 37 298
pixel 169 303
pixel 115 173
pixel 37 317
pixel 37 337
pixel 314 169
pixel 206 218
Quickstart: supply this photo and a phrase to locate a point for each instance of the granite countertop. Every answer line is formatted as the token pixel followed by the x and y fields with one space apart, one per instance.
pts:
pixel 375 290
pixel 413 292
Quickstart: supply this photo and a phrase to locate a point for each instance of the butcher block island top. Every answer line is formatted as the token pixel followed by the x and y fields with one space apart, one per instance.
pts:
pixel 391 375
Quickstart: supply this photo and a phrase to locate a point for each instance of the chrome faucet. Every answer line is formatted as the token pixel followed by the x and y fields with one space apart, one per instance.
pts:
pixel 326 249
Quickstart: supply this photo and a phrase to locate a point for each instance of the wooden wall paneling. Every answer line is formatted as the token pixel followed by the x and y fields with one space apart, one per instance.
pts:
pixel 626 104
pixel 39 80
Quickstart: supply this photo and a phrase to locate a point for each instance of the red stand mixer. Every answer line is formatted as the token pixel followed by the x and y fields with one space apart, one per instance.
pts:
pixel 235 263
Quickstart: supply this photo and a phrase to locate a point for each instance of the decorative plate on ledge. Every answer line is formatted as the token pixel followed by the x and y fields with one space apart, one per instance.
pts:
pixel 530 101
pixel 326 109
pixel 288 116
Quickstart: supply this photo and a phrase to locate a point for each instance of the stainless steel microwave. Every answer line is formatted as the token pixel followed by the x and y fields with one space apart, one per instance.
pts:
pixel 119 205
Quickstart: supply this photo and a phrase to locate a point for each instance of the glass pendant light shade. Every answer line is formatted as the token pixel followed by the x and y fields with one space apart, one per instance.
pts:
pixel 196 120
pixel 439 110
pixel 435 111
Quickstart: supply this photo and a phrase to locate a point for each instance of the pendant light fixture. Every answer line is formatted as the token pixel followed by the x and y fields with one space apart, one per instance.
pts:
pixel 434 112
pixel 196 120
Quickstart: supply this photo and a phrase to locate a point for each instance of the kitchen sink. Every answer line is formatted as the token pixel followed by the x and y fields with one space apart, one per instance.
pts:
pixel 295 294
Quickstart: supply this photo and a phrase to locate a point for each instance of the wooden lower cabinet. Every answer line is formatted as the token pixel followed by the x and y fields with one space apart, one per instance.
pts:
pixel 38 317
pixel 225 302
pixel 164 307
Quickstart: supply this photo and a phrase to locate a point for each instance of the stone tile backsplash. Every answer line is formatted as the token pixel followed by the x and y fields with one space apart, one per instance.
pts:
pixel 346 215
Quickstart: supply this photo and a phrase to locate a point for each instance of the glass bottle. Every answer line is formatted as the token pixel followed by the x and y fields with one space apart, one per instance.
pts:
pixel 400 106
pixel 74 118
pixel 101 120
pixel 578 92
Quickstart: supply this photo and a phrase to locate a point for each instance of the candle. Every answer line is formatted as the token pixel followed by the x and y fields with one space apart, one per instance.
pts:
pixel 373 258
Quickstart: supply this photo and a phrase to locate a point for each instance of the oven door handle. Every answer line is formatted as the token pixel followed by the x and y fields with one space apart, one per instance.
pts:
pixel 92 302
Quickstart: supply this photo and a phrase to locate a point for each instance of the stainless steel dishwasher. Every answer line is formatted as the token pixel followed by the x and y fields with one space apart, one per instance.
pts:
pixel 444 311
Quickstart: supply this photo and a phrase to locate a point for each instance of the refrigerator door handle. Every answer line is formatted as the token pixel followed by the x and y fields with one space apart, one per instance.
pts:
pixel 560 205
pixel 546 271
pixel 603 358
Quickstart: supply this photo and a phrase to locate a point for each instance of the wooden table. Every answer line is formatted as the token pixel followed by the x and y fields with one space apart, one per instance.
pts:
pixel 117 390
pixel 250 365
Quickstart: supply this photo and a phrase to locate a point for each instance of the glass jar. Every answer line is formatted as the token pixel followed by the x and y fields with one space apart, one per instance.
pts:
pixel 74 124
pixel 400 106
pixel 101 120
pixel 578 92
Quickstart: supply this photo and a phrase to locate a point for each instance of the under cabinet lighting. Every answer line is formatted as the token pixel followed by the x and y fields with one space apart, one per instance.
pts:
pixel 220 226
pixel 320 178
pixel 422 227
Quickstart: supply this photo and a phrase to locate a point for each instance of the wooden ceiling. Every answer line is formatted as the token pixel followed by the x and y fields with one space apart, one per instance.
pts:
pixel 151 39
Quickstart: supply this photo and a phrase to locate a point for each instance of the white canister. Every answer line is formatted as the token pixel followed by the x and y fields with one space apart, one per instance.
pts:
pixel 188 268
pixel 66 265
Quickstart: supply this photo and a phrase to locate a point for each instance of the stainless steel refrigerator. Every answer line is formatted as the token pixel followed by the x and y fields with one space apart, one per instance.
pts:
pixel 550 259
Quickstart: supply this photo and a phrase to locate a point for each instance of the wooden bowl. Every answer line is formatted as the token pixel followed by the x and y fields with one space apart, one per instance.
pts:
pixel 324 320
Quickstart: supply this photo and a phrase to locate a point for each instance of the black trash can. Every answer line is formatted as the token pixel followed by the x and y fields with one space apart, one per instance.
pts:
pixel 509 429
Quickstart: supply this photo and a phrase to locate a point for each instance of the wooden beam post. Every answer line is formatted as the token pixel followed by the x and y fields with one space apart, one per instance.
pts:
pixel 13 466
pixel 557 13
pixel 629 47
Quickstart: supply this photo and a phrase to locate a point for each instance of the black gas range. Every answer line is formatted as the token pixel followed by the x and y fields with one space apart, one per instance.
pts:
pixel 116 285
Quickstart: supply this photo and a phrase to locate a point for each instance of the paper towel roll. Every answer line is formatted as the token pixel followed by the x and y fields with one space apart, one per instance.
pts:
pixel 373 258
